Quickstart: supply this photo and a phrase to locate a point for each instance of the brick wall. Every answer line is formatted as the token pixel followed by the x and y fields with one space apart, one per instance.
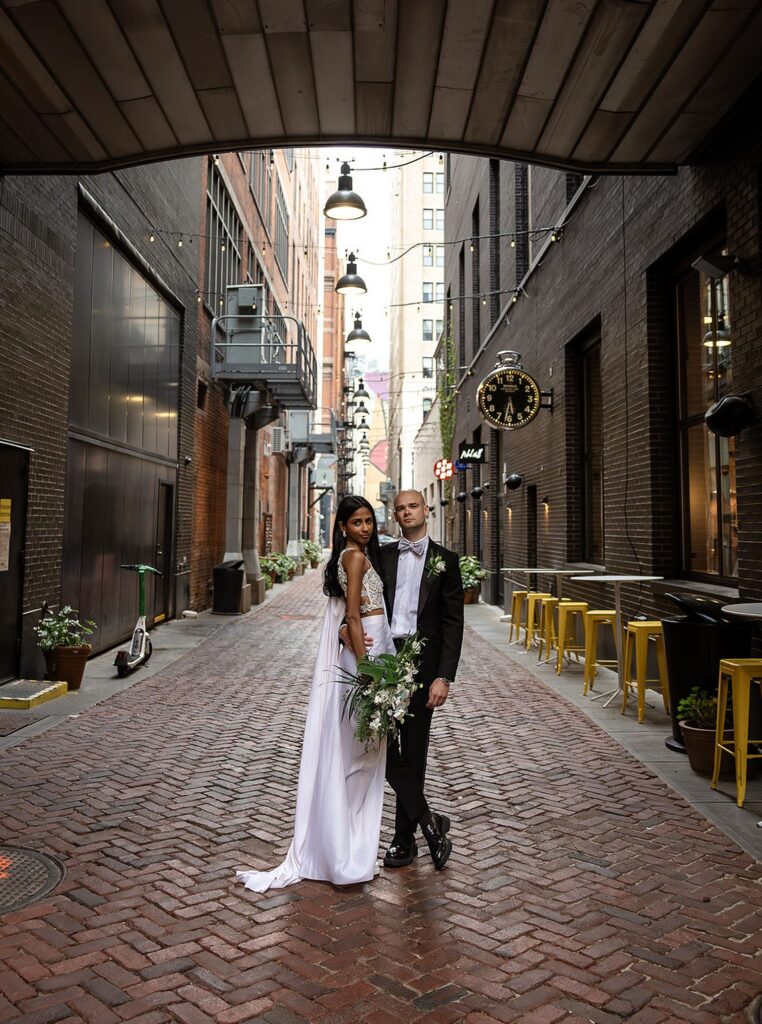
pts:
pixel 614 264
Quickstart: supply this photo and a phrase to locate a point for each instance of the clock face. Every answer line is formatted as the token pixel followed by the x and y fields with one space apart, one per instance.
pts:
pixel 509 398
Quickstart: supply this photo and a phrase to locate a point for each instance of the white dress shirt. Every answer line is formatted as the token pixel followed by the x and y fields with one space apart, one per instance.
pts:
pixel 409 575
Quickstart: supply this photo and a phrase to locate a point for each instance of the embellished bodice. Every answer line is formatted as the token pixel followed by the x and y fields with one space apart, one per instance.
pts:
pixel 372 596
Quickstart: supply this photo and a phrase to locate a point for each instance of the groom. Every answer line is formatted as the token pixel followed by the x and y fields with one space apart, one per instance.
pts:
pixel 424 593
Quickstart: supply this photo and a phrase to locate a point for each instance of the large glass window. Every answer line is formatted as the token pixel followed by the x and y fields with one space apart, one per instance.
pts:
pixel 428 366
pixel 440 249
pixel 428 255
pixel 708 462
pixel 428 181
pixel 428 291
pixel 223 240
pixel 440 220
pixel 428 330
pixel 281 229
pixel 428 220
pixel 261 184
pixel 440 182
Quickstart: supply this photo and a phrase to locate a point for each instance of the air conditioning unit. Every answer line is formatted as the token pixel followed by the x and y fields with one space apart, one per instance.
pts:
pixel 280 441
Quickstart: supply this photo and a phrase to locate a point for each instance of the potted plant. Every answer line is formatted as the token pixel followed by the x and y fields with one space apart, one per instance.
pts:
pixel 313 552
pixel 61 638
pixel 269 566
pixel 471 573
pixel 698 722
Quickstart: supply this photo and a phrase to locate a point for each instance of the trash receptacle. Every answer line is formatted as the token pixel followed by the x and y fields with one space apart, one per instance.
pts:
pixel 694 644
pixel 228 584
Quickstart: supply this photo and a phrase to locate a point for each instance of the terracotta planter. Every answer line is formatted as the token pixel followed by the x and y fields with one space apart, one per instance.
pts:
pixel 471 596
pixel 67 664
pixel 314 564
pixel 699 744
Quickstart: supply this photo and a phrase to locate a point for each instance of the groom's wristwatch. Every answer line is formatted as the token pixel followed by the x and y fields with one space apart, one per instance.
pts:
pixel 447 682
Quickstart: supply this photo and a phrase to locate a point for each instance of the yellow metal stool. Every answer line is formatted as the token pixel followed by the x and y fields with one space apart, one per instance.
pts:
pixel 517 606
pixel 548 639
pixel 741 672
pixel 534 599
pixel 637 635
pixel 567 634
pixel 593 620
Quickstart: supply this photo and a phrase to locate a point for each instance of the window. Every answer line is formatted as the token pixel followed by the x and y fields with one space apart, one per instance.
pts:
pixel 440 182
pixel 428 181
pixel 428 255
pixel 439 329
pixel 440 255
pixel 426 407
pixel 592 455
pixel 281 229
pixel 223 240
pixel 261 185
pixel 428 291
pixel 428 220
pixel 428 366
pixel 707 461
pixel 440 291
pixel 440 220
pixel 428 330
pixel 288 155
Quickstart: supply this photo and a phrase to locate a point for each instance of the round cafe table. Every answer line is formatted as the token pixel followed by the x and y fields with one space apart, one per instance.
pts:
pixel 751 610
pixel 617 582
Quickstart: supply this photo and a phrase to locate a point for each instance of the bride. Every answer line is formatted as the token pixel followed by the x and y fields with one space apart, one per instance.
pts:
pixel 341 786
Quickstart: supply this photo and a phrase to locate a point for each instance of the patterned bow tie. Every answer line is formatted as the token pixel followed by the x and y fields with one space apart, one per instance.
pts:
pixel 418 547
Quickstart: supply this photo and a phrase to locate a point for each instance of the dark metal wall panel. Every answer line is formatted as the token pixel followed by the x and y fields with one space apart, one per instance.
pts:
pixel 125 375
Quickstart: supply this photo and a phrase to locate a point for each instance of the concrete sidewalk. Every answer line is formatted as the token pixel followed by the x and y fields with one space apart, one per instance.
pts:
pixel 581 887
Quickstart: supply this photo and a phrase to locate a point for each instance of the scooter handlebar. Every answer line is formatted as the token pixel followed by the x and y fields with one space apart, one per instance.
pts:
pixel 143 568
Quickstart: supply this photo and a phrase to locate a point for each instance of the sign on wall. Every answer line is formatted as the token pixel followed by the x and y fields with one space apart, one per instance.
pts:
pixel 471 454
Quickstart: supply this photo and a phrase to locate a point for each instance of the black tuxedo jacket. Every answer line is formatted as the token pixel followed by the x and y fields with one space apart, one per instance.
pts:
pixel 440 610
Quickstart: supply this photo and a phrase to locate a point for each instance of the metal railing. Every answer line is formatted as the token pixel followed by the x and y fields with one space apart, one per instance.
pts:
pixel 275 350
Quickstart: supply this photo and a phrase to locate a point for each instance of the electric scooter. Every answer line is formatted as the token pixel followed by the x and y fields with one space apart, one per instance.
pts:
pixel 140 649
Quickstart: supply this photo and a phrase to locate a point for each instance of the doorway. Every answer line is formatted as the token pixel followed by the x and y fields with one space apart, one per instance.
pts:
pixel 14 476
pixel 163 557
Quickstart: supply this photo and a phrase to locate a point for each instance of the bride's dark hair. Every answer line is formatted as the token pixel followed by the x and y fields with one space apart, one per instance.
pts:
pixel 347 506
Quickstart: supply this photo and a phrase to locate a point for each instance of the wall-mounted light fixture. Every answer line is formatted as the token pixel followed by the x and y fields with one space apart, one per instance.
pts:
pixel 546 502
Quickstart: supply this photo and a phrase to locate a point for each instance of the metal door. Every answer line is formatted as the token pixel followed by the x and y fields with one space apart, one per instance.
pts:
pixel 14 474
pixel 163 556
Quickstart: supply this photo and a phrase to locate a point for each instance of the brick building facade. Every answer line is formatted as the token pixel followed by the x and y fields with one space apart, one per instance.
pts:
pixel 592 281
pixel 113 431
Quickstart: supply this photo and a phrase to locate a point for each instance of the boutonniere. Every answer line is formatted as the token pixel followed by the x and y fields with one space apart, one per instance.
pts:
pixel 435 565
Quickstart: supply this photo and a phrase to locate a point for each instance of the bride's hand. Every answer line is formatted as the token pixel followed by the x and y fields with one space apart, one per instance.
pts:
pixel 344 637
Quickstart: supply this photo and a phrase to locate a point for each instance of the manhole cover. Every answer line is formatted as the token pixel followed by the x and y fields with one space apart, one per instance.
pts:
pixel 26 876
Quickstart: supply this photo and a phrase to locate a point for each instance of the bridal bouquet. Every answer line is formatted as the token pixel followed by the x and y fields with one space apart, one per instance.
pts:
pixel 379 692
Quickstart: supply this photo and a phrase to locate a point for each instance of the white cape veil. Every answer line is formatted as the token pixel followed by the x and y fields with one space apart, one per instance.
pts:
pixel 340 794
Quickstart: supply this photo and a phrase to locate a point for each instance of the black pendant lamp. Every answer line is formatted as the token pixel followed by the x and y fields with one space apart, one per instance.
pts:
pixel 351 283
pixel 345 204
pixel 358 334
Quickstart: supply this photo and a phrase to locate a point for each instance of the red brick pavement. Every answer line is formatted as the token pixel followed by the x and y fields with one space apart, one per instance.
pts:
pixel 581 888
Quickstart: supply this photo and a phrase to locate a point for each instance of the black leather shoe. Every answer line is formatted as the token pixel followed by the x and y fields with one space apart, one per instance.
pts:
pixel 402 851
pixel 435 834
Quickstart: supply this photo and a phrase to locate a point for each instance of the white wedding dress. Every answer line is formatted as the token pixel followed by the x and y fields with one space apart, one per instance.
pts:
pixel 341 786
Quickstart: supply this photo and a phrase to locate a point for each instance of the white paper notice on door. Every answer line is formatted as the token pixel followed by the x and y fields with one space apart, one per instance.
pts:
pixel 5 546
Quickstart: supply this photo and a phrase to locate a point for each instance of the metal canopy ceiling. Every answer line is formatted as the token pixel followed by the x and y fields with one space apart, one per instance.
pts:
pixel 606 85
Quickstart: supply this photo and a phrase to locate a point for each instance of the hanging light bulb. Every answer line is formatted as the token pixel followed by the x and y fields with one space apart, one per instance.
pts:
pixel 152 237
pixel 513 243
pixel 222 246
pixel 345 204
pixel 357 333
pixel 179 243
pixel 272 158
pixel 484 300
pixel 351 283
pixel 471 246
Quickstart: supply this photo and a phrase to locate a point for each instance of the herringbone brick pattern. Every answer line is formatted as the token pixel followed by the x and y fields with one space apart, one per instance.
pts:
pixel 581 888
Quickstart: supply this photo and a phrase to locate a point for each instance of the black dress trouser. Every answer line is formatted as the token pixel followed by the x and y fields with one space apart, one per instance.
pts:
pixel 406 770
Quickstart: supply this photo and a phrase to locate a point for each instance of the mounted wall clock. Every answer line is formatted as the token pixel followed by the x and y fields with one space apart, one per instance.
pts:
pixel 509 397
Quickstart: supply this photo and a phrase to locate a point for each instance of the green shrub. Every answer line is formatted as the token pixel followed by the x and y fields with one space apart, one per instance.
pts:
pixel 699 708
pixel 471 571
